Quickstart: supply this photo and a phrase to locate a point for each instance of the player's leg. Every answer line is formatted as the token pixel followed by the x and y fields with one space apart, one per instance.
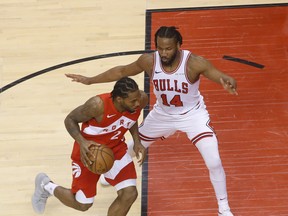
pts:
pixel 208 147
pixel 123 177
pixel 196 125
pixel 76 201
pixel 122 204
pixel 47 189
pixel 80 197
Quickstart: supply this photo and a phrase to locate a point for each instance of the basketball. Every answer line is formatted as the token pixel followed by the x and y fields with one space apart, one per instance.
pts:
pixel 103 159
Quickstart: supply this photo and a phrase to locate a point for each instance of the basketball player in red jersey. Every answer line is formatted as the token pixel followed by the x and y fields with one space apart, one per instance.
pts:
pixel 175 75
pixel 105 119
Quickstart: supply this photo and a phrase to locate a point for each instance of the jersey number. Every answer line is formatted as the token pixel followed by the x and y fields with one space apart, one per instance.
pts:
pixel 117 133
pixel 176 100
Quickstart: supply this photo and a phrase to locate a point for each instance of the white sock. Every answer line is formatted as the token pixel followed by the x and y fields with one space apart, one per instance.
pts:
pixel 50 187
pixel 223 204
pixel 220 190
pixel 221 194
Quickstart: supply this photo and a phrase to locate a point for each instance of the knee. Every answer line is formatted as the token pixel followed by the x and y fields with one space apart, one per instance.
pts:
pixel 214 163
pixel 216 170
pixel 134 194
pixel 128 195
pixel 84 207
pixel 208 147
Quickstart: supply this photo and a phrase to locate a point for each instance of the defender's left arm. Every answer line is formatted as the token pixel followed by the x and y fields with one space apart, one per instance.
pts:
pixel 208 70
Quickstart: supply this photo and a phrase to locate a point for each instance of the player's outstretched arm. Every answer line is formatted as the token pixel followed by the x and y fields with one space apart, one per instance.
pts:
pixel 110 75
pixel 204 67
pixel 115 73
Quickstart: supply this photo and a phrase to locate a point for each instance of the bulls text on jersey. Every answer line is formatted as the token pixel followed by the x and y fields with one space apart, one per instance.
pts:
pixel 170 85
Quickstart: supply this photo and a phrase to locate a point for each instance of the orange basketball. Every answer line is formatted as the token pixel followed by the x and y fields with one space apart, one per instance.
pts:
pixel 103 159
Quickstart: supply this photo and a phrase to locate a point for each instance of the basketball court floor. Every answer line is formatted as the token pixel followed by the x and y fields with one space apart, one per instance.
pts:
pixel 40 41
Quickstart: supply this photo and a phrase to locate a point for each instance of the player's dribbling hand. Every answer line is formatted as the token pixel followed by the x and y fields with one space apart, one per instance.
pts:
pixel 85 153
pixel 229 86
pixel 78 78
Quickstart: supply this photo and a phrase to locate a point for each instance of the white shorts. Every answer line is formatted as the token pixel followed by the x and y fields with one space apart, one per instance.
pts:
pixel 160 125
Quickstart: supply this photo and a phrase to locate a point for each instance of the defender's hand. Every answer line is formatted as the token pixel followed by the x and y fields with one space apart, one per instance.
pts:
pixel 229 86
pixel 78 78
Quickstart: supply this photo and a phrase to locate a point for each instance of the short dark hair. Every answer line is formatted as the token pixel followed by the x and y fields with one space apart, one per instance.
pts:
pixel 168 32
pixel 123 87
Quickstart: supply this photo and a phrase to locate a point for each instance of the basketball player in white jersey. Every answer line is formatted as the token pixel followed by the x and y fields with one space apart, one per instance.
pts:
pixel 175 74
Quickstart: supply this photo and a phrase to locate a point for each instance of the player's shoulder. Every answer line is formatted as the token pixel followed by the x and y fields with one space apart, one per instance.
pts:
pixel 95 103
pixel 146 62
pixel 148 55
pixel 195 57
pixel 197 61
pixel 146 58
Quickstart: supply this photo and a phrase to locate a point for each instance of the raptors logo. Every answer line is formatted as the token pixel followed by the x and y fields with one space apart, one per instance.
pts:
pixel 76 170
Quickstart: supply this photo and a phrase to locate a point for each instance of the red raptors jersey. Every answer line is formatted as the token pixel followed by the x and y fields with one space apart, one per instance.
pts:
pixel 110 131
pixel 174 92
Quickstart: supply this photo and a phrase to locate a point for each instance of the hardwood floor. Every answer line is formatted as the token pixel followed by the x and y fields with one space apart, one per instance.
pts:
pixel 35 35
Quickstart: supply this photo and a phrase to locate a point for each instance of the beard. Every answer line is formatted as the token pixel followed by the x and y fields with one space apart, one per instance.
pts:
pixel 169 61
pixel 127 108
pixel 130 110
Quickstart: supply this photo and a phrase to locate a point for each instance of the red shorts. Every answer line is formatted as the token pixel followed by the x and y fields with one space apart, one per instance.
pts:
pixel 86 181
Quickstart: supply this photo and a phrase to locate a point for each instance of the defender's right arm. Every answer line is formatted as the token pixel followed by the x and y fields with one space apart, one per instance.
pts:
pixel 143 63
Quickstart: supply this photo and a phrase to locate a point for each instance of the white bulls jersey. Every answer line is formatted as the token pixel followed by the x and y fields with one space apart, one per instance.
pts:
pixel 174 92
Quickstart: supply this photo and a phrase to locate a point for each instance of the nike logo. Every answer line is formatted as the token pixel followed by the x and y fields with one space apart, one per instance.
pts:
pixel 157 72
pixel 110 116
